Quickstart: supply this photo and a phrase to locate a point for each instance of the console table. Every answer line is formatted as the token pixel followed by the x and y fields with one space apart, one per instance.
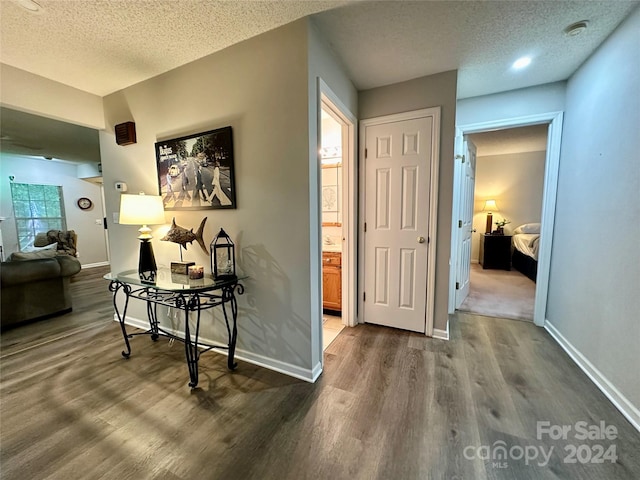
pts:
pixel 179 291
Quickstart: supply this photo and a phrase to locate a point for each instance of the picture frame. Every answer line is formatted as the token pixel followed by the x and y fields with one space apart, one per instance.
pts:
pixel 196 172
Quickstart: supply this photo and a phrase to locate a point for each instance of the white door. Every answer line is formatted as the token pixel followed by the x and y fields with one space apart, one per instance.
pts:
pixel 465 222
pixel 397 195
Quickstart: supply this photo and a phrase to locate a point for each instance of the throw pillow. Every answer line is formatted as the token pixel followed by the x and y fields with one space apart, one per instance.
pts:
pixel 53 246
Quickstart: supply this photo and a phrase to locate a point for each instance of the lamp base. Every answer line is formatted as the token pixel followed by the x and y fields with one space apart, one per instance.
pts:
pixel 489 222
pixel 147 268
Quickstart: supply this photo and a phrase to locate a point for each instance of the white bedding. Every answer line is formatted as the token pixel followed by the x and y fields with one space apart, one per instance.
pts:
pixel 527 243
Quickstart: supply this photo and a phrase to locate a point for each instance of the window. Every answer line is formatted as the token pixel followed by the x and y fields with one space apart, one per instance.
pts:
pixel 37 209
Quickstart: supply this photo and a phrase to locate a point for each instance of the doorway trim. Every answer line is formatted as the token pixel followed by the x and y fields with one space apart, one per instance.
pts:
pixel 550 190
pixel 327 98
pixel 435 113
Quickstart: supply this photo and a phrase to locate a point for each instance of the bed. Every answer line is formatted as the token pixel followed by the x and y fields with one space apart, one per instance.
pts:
pixel 526 241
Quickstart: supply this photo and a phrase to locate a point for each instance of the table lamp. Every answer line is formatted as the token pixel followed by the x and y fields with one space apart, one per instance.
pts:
pixel 143 210
pixel 490 207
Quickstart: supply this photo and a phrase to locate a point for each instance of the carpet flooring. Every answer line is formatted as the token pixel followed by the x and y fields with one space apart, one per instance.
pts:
pixel 500 293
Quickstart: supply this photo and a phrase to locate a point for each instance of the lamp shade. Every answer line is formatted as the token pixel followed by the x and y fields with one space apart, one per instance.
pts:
pixel 490 206
pixel 141 209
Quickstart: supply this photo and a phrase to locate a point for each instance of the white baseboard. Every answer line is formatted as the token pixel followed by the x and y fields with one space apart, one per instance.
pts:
pixel 308 375
pixel 441 334
pixel 93 265
pixel 621 402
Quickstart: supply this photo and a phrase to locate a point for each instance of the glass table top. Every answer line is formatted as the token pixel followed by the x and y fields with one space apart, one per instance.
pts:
pixel 173 282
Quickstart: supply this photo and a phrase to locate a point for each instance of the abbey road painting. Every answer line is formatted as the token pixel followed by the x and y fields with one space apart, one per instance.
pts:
pixel 196 172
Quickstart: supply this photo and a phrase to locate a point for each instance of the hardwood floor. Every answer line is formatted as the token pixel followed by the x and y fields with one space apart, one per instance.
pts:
pixel 389 405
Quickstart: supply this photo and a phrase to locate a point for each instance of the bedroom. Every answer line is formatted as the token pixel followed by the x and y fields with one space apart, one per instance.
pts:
pixel 510 172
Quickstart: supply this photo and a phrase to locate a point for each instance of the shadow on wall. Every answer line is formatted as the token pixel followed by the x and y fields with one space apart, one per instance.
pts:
pixel 266 320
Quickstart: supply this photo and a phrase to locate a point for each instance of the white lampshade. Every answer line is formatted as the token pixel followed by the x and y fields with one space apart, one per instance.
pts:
pixel 490 206
pixel 141 209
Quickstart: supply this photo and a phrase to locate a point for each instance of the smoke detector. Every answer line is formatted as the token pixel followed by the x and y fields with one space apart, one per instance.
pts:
pixel 576 29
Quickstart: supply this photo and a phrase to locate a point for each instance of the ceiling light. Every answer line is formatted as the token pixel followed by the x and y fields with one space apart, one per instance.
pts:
pixel 29 5
pixel 576 28
pixel 521 63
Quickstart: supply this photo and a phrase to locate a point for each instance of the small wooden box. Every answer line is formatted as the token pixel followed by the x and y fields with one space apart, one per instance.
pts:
pixel 181 268
pixel 125 133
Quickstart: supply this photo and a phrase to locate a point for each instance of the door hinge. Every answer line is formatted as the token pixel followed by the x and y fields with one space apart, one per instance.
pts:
pixel 364 296
pixel 459 223
pixel 365 227
pixel 457 285
pixel 365 153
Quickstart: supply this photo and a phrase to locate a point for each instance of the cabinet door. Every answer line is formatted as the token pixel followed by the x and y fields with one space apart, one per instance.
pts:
pixel 332 288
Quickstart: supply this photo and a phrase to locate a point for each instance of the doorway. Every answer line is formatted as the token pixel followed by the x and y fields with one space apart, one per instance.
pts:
pixel 331 200
pixel 506 209
pixel 551 167
pixel 337 162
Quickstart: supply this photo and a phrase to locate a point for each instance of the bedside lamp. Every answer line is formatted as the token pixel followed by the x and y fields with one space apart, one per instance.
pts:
pixel 490 207
pixel 143 210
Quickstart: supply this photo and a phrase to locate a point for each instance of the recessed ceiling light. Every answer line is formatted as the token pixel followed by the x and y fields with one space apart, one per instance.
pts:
pixel 29 5
pixel 521 63
pixel 576 28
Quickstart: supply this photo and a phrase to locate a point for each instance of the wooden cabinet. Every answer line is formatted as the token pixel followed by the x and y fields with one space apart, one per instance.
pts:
pixel 495 251
pixel 332 281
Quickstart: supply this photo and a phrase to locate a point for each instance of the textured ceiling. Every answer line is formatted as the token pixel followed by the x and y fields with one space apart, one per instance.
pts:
pixel 384 42
pixel 102 46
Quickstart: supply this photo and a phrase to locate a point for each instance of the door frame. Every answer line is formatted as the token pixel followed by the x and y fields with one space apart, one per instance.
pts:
pixel 349 195
pixel 435 113
pixel 550 190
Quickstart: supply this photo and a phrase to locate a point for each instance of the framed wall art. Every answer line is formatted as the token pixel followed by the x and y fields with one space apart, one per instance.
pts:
pixel 196 172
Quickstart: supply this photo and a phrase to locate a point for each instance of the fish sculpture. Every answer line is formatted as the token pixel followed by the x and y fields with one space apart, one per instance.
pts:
pixel 182 236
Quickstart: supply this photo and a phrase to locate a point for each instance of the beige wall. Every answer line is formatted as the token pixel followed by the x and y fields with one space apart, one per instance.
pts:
pixel 515 182
pixel 431 91
pixel 594 279
pixel 259 88
pixel 31 93
pixel 264 88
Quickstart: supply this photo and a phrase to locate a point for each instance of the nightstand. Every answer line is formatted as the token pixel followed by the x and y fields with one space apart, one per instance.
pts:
pixel 495 251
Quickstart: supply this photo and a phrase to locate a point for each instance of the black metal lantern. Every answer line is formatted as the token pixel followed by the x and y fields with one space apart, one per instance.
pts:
pixel 223 256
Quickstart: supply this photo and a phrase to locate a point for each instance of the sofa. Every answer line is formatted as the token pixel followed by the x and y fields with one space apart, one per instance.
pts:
pixel 35 285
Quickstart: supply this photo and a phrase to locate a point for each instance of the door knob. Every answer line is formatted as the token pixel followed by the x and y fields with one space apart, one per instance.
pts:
pixel 420 239
pixel 474 230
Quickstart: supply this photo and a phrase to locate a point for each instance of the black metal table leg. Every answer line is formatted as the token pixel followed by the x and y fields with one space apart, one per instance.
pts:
pixel 152 315
pixel 191 346
pixel 228 296
pixel 115 287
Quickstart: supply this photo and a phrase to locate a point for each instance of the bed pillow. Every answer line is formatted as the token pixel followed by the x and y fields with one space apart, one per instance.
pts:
pixel 528 228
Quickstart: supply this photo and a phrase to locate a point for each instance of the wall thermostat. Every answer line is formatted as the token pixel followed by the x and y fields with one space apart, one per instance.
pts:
pixel 121 187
